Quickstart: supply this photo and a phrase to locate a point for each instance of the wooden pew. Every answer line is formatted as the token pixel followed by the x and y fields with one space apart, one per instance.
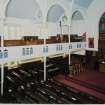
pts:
pixel 22 42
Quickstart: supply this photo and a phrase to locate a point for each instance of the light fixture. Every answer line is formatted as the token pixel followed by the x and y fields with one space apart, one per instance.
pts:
pixel 64 19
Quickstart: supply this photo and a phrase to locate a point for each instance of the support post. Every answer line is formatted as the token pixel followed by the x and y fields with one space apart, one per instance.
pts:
pixel 2 67
pixel 45 76
pixel 69 44
pixel 2 79
pixel 70 28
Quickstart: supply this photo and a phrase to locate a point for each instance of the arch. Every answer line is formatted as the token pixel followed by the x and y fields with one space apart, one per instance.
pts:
pixel 31 9
pixel 77 23
pixel 101 33
pixel 94 13
pixel 102 23
pixel 54 13
pixel 77 15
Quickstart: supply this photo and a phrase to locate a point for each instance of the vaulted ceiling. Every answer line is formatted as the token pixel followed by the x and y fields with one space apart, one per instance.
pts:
pixel 84 3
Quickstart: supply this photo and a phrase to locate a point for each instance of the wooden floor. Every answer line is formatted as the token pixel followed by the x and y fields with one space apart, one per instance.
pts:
pixel 91 82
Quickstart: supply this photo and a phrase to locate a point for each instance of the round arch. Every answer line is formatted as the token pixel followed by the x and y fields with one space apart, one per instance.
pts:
pixel 101 40
pixel 77 23
pixel 57 14
pixel 54 13
pixel 94 13
pixel 56 7
pixel 15 8
pixel 77 15
pixel 102 23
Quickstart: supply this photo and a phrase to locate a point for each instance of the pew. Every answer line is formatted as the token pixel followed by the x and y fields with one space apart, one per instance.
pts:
pixel 35 41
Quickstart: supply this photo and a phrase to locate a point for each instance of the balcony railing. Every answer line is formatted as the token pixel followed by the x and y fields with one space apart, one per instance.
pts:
pixel 11 53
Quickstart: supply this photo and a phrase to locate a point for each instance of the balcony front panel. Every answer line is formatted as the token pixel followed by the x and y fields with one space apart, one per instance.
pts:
pixel 17 53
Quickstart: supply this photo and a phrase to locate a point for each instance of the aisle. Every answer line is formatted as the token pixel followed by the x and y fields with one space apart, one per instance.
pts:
pixel 92 77
pixel 68 82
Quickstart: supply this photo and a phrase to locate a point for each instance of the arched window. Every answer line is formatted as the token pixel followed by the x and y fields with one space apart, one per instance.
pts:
pixel 77 24
pixel 102 24
pixel 77 16
pixel 54 13
pixel 26 9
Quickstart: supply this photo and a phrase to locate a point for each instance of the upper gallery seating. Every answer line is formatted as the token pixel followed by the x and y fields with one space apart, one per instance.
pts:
pixel 34 40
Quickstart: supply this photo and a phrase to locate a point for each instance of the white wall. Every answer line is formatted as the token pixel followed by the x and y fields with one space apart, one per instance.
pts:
pixel 78 27
pixel 15 28
pixel 94 13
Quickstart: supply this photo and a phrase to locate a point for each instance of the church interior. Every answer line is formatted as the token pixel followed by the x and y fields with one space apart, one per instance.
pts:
pixel 52 51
